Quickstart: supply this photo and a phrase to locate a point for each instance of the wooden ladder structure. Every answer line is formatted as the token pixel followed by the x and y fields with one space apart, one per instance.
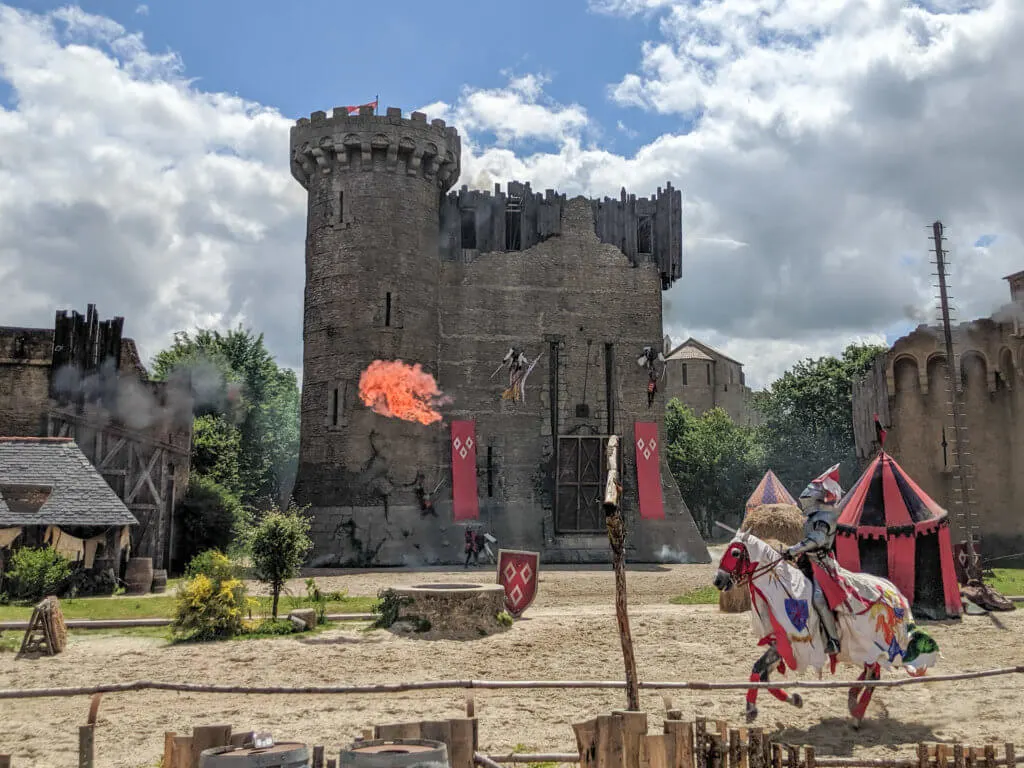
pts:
pixel 962 468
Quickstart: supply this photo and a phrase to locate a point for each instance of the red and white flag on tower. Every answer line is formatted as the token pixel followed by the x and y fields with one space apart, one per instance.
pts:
pixel 354 110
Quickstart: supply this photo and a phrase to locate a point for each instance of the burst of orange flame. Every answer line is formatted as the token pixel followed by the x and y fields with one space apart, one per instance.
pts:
pixel 402 391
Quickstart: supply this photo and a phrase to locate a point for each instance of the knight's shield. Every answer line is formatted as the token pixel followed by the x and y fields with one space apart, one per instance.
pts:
pixel 517 573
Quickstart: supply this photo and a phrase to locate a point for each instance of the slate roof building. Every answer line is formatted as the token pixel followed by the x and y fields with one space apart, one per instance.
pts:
pixel 50 493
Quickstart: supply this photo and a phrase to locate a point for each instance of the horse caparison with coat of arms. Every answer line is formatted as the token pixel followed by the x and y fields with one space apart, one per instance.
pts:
pixel 875 623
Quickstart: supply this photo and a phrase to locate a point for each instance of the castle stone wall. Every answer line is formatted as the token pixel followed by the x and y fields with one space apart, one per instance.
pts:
pixel 907 388
pixel 562 296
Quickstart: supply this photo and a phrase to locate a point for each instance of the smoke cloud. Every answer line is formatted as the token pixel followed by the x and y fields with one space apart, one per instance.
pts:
pixel 669 555
pixel 140 404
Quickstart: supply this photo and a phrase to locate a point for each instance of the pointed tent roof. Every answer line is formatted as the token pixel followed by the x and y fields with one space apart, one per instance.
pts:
pixel 886 501
pixel 770 491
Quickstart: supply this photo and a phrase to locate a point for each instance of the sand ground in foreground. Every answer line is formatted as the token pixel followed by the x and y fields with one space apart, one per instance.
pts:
pixel 569 633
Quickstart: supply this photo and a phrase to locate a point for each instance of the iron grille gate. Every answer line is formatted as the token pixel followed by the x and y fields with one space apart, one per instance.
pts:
pixel 579 494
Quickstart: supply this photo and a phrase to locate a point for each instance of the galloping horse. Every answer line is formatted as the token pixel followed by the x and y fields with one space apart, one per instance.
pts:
pixel 875 623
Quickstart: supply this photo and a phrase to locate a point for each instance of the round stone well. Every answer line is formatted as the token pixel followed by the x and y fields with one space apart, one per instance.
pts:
pixel 453 610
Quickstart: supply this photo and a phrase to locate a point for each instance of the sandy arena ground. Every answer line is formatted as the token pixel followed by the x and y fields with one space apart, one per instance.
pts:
pixel 569 633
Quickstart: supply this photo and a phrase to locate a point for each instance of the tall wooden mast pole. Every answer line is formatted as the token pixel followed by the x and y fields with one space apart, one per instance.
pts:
pixel 617 538
pixel 964 512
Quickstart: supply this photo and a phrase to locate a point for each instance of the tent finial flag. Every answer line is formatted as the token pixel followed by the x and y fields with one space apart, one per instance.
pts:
pixel 880 432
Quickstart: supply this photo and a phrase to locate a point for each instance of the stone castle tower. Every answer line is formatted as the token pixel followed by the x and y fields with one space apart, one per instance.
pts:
pixel 399 269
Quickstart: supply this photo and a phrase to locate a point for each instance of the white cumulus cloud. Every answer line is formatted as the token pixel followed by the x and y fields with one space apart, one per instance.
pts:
pixel 815 143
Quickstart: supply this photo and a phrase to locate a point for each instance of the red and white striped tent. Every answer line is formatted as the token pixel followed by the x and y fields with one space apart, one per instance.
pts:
pixel 889 527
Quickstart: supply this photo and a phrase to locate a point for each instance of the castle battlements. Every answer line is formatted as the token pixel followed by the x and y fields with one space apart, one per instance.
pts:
pixel 371 142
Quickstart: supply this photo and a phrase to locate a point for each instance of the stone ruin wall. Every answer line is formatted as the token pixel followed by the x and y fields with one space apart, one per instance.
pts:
pixel 907 388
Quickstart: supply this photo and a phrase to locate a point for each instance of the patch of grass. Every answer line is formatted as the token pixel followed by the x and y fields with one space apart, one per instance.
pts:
pixel 1007 581
pixel 162 607
pixel 701 596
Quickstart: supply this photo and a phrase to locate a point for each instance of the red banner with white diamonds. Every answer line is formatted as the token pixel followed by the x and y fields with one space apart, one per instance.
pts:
pixel 517 573
pixel 648 470
pixel 465 504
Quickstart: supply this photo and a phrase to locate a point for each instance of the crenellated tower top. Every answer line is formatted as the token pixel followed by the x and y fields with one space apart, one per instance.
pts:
pixel 367 142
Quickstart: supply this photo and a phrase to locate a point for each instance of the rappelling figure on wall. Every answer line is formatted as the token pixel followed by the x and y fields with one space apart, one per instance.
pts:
pixel 649 360
pixel 519 367
pixel 814 554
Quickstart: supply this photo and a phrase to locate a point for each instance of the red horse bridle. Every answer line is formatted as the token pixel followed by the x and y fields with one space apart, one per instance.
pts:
pixel 746 576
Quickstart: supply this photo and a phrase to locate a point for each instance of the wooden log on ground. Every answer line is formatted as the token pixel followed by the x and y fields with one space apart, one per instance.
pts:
pixel 86 746
pixel 207 737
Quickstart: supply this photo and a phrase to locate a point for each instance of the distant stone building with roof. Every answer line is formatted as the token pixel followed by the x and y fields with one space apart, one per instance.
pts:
pixel 703 378
pixel 50 493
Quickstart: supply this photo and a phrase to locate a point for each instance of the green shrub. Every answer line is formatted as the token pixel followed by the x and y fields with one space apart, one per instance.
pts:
pixel 34 573
pixel 212 517
pixel 212 602
pixel 278 547
pixel 271 627
pixel 213 564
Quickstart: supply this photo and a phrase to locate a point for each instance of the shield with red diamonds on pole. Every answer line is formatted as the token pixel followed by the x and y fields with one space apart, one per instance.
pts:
pixel 517 573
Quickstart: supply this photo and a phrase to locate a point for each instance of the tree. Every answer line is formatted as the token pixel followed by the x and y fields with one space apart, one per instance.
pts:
pixel 715 462
pixel 808 415
pixel 212 516
pixel 278 547
pixel 234 377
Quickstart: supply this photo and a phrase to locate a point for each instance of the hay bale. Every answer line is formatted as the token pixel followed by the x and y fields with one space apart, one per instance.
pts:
pixel 781 525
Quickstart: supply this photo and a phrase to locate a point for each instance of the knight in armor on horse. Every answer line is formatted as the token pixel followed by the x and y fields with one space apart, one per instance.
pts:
pixel 818 504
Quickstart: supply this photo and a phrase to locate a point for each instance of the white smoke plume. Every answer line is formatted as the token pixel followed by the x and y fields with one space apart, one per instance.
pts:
pixel 669 555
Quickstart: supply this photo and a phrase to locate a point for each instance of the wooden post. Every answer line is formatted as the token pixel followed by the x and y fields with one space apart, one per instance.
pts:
pixel 990 756
pixel 1011 756
pixel 181 752
pixel 792 756
pixel 755 748
pixel 680 744
pixel 86 746
pixel 809 758
pixel 734 748
pixel 654 750
pixel 617 539
pixel 168 749
pixel 700 742
pixel 609 742
pixel 332 763
pixel 438 730
pixel 318 757
pixel 397 731
pixel 461 746
pixel 586 742
pixel 776 755
pixel 634 726
pixel 922 756
pixel 5 761
pixel 207 737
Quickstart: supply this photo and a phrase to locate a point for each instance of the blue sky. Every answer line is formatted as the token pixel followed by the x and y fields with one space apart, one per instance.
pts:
pixel 325 53
pixel 809 176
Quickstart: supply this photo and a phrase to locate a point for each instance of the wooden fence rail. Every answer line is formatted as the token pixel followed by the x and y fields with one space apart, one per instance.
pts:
pixel 436 685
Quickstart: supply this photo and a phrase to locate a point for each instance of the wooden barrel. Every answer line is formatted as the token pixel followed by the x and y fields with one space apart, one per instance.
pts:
pixel 138 576
pixel 286 754
pixel 159 580
pixel 395 753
